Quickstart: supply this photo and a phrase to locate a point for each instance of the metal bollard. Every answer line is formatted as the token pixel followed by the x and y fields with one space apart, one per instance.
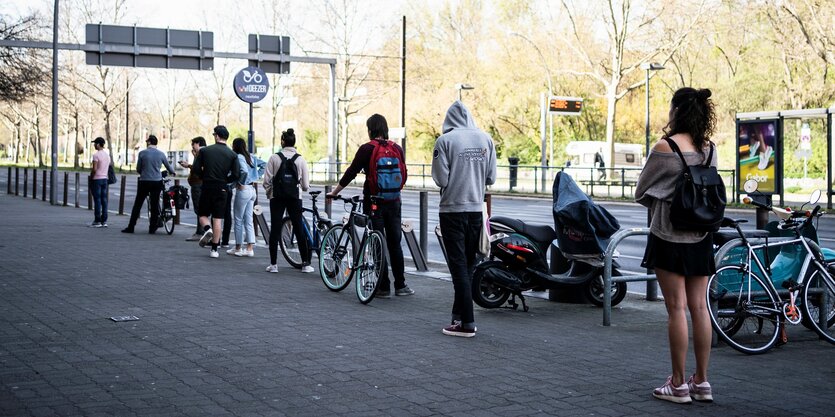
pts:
pixel 488 198
pixel 122 196
pixel 34 184
pixel 89 193
pixel 176 216
pixel 77 180
pixel 66 187
pixel 9 181
pixel 25 182
pixel 328 202
pixel 424 221
pixel 16 180
pixel 43 186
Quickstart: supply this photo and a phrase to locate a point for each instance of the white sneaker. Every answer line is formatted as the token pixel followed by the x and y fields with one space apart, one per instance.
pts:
pixel 765 156
pixel 206 239
pixel 233 251
pixel 754 148
pixel 104 225
pixel 95 225
pixel 244 252
pixel 307 269
pixel 272 268
pixel 213 254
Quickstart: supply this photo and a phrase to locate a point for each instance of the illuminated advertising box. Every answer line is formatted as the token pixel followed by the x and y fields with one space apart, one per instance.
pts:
pixel 759 154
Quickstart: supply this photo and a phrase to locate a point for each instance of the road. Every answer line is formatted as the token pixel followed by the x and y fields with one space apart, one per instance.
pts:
pixel 530 210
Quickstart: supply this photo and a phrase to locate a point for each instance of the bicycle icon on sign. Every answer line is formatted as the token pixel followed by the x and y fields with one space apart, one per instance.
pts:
pixel 256 77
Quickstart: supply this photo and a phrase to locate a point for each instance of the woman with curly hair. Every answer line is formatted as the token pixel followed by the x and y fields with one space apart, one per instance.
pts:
pixel 683 260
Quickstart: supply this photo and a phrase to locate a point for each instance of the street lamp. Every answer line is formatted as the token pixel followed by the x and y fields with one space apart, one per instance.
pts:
pixel 544 111
pixel 652 287
pixel 647 66
pixel 463 86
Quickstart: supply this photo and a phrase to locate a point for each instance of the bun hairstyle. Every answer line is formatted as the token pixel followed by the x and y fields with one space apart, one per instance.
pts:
pixel 288 137
pixel 692 112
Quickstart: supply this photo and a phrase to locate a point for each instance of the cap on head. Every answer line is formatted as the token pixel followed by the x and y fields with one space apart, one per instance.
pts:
pixel 221 132
pixel 99 141
pixel 152 140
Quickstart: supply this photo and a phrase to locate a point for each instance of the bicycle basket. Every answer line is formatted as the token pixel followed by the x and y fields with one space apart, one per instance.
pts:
pixel 360 220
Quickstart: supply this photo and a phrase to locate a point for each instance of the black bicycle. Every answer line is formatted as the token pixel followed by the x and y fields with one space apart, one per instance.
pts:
pixel 287 238
pixel 167 206
pixel 344 254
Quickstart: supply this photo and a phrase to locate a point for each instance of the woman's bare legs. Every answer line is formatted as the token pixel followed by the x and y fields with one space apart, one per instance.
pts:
pixel 675 298
pixel 702 332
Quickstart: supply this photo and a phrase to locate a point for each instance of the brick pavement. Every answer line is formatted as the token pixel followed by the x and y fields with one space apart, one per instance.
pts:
pixel 222 337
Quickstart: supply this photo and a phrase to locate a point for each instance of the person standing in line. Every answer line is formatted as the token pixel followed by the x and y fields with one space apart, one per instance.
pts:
pixel 683 260
pixel 251 169
pixel 194 184
pixel 98 185
pixel 217 166
pixel 387 217
pixel 463 165
pixel 150 183
pixel 286 173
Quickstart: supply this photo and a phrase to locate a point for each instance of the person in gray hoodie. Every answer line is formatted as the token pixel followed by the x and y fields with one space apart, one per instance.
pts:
pixel 463 165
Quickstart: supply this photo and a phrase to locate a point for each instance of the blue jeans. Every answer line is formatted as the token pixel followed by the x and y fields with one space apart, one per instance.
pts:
pixel 99 190
pixel 244 202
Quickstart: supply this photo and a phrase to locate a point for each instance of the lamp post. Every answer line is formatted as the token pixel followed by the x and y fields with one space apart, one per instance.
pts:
pixel 654 66
pixel 463 86
pixel 543 161
pixel 652 287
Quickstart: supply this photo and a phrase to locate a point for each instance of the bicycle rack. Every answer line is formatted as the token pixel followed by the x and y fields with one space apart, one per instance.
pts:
pixel 608 279
pixel 441 242
pixel 262 224
pixel 411 241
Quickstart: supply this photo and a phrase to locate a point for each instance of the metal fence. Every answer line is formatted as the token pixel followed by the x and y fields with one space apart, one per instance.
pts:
pixel 618 182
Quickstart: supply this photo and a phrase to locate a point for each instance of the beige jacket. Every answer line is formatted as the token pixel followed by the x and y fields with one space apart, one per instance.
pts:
pixel 275 163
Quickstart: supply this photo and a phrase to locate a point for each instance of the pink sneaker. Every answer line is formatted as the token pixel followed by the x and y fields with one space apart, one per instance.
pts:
pixel 667 392
pixel 700 392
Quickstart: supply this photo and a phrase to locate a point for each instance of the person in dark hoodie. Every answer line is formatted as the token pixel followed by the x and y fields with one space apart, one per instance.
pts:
pixel 463 165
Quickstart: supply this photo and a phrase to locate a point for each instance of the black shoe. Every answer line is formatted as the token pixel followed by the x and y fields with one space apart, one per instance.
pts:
pixel 404 291
pixel 152 230
pixel 127 230
pixel 383 293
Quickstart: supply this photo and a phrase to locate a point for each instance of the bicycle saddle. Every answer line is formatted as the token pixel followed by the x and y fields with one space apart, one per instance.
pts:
pixel 315 193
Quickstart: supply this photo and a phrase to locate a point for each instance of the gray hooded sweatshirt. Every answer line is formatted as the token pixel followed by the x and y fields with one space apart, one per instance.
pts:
pixel 463 163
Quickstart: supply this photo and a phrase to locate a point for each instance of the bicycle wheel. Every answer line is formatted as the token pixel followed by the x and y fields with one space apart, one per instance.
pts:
pixel 288 243
pixel 372 264
pixel 819 305
pixel 744 312
pixel 167 219
pixel 336 259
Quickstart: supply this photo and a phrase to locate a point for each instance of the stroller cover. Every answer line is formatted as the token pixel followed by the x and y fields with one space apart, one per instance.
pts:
pixel 583 227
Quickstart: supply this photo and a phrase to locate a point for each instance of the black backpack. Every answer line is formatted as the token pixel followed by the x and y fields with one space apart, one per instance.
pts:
pixel 699 198
pixel 286 179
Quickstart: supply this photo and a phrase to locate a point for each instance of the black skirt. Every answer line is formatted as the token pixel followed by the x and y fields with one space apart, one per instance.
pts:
pixel 688 259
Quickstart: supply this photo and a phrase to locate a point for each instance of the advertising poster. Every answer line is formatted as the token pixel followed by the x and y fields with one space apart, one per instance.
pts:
pixel 758 152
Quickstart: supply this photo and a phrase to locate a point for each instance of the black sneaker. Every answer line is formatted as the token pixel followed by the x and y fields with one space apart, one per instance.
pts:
pixel 206 239
pixel 383 294
pixel 404 291
pixel 127 230
pixel 456 330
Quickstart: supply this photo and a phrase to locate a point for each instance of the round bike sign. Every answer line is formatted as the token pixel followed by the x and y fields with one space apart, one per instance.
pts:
pixel 251 84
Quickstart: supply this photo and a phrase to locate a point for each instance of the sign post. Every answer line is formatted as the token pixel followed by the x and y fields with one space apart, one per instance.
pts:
pixel 251 85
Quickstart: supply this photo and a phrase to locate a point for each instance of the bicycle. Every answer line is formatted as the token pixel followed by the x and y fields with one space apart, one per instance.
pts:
pixel 166 205
pixel 287 238
pixel 340 258
pixel 747 310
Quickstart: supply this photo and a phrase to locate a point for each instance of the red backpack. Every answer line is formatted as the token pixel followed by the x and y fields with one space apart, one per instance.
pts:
pixel 386 171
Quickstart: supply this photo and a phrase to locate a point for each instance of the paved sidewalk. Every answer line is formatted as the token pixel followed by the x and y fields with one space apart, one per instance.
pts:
pixel 223 337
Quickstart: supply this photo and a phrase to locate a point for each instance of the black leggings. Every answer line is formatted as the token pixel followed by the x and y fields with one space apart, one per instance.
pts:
pixel 294 210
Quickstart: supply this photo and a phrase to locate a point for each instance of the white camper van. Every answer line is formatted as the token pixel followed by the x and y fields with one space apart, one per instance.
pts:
pixel 582 155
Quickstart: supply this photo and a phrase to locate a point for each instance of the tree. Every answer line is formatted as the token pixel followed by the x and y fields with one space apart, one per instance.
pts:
pixel 632 39
pixel 24 70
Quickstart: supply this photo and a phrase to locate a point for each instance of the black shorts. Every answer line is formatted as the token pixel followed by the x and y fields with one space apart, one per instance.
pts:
pixel 688 259
pixel 212 201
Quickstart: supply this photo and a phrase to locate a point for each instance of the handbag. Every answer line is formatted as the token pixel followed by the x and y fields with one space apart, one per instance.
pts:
pixel 111 175
pixel 484 238
pixel 699 198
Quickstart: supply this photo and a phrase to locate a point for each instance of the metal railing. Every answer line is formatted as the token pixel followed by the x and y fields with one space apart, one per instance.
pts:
pixel 619 182
pixel 608 279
